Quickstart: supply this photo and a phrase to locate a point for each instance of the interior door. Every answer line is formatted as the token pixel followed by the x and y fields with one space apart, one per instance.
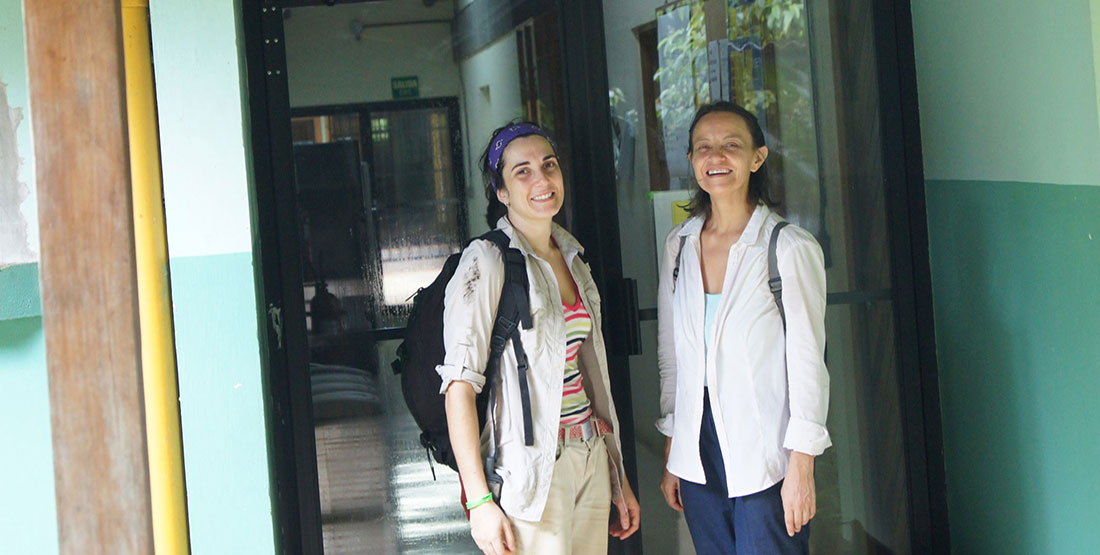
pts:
pixel 380 205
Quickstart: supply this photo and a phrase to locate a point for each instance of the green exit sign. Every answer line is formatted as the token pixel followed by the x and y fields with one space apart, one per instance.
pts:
pixel 405 87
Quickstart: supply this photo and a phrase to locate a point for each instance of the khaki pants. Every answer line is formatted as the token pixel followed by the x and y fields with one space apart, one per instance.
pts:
pixel 578 506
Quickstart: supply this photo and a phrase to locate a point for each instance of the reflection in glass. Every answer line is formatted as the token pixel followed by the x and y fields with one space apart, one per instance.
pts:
pixel 378 494
pixel 417 209
pixel 387 188
pixel 807 71
pixel 380 211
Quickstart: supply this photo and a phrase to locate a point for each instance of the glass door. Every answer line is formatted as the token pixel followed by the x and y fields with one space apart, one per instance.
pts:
pixel 807 70
pixel 385 189
pixel 381 206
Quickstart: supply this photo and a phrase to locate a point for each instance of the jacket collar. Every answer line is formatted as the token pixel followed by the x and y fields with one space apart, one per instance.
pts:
pixel 750 236
pixel 568 244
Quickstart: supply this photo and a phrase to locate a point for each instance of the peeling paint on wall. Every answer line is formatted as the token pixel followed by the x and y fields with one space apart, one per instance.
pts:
pixel 14 244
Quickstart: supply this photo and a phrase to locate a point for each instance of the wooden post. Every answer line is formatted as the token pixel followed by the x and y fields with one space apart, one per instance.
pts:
pixel 89 290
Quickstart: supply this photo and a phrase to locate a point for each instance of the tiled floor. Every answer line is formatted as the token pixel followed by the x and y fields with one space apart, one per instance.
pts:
pixel 378 495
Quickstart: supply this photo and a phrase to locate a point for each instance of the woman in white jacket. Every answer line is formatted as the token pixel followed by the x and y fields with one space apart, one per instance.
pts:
pixel 557 492
pixel 743 404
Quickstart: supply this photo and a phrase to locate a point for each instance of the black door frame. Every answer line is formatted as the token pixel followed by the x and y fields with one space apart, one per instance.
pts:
pixel 279 276
pixel 285 352
pixel 918 369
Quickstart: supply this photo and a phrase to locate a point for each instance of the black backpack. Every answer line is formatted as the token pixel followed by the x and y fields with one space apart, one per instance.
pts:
pixel 422 350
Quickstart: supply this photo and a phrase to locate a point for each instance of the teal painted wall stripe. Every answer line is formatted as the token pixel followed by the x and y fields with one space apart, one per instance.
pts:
pixel 28 507
pixel 1016 285
pixel 19 293
pixel 221 404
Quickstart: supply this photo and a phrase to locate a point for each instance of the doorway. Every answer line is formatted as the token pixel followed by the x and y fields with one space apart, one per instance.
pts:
pixel 368 118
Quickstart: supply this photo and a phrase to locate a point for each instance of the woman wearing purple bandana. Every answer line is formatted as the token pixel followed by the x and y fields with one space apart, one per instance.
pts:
pixel 558 487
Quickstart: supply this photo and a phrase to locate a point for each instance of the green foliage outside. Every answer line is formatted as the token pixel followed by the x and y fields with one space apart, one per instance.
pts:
pixel 682 65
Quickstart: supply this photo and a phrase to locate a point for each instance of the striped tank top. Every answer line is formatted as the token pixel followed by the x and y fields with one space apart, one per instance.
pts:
pixel 575 407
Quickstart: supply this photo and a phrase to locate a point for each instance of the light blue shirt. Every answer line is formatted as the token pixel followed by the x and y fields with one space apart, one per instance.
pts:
pixel 708 325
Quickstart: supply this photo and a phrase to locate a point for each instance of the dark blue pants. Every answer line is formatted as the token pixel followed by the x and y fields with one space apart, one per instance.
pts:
pixel 739 525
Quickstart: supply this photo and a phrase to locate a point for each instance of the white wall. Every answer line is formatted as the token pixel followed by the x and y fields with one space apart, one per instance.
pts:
pixel 491 98
pixel 327 64
pixel 201 112
pixel 18 203
pixel 1019 105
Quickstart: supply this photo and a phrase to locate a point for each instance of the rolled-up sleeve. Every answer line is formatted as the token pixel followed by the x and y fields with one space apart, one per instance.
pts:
pixel 469 310
pixel 666 339
pixel 802 268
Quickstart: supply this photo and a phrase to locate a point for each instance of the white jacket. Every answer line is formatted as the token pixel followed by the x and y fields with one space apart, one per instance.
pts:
pixel 469 312
pixel 762 407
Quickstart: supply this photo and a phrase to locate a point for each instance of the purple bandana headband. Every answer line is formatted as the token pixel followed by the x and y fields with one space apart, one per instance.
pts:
pixel 509 134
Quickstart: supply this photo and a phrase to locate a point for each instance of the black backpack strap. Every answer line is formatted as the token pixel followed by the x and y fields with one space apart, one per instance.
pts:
pixel 676 268
pixel 775 282
pixel 513 311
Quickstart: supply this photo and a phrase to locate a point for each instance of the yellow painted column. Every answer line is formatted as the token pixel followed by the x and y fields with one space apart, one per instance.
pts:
pixel 158 357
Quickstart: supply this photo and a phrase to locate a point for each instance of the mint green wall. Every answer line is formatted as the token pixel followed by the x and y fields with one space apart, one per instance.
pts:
pixel 28 509
pixel 221 400
pixel 1011 137
pixel 202 109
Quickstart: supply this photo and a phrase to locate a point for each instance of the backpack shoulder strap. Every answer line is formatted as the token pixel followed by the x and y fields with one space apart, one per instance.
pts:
pixel 775 281
pixel 514 297
pixel 513 311
pixel 676 268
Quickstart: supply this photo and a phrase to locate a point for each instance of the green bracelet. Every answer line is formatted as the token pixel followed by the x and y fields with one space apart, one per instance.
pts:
pixel 473 504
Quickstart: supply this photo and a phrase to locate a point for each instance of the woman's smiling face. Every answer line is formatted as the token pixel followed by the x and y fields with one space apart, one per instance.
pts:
pixel 723 155
pixel 533 186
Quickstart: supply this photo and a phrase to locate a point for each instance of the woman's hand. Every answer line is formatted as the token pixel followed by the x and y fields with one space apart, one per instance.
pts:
pixel 627 523
pixel 670 487
pixel 670 484
pixel 491 529
pixel 799 495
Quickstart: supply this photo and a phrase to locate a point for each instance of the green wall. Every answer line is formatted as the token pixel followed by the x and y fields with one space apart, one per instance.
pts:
pixel 1011 143
pixel 221 405
pixel 19 296
pixel 1016 281
pixel 28 510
